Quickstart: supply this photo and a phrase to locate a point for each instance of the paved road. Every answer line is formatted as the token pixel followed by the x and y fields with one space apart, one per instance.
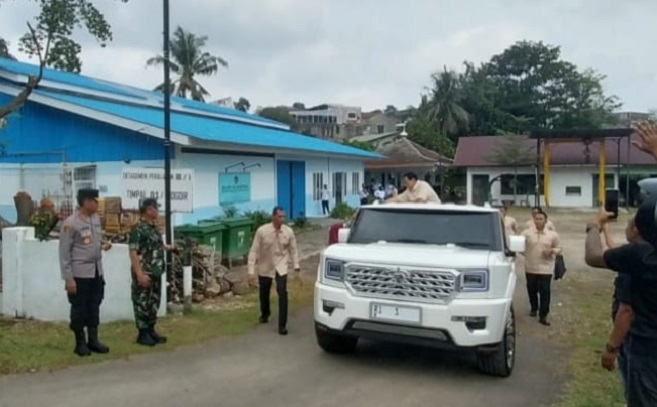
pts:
pixel 263 368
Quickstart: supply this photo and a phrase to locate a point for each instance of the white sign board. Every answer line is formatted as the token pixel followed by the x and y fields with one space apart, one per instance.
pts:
pixel 140 183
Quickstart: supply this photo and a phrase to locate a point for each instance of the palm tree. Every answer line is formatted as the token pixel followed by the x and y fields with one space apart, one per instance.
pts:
pixel 444 101
pixel 4 49
pixel 188 60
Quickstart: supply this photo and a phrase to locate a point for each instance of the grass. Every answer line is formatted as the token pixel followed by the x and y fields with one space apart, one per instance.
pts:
pixel 584 328
pixel 30 346
pixel 586 333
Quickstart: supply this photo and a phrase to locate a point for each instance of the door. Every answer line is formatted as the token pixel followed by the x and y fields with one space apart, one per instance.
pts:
pixel 480 188
pixel 291 187
pixel 609 183
pixel 298 170
pixel 339 186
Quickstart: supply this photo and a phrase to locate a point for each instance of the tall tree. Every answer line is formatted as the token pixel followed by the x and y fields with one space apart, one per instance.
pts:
pixel 188 60
pixel 243 104
pixel 422 129
pixel 445 104
pixel 535 88
pixel 50 39
pixel 513 151
pixel 390 109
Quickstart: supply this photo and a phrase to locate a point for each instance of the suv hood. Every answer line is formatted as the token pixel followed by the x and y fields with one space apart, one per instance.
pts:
pixel 410 255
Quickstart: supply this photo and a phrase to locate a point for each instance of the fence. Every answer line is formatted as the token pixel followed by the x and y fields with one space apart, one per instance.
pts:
pixel 58 182
pixel 33 287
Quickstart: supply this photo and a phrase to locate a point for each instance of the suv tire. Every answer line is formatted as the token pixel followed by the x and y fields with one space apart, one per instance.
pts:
pixel 501 361
pixel 332 343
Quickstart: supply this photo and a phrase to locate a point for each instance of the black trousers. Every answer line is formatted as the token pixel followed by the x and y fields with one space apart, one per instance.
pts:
pixel 325 207
pixel 363 201
pixel 85 303
pixel 539 291
pixel 641 387
pixel 265 284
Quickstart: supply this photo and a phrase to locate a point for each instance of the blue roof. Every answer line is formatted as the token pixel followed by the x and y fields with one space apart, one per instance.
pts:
pixel 98 85
pixel 194 122
pixel 210 129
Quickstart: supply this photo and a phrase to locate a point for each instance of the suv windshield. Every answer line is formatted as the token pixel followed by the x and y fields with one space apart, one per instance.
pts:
pixel 474 230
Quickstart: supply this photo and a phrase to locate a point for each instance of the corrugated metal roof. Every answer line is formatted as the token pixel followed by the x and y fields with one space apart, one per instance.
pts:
pixel 223 131
pixel 406 153
pixel 194 120
pixel 476 151
pixel 98 85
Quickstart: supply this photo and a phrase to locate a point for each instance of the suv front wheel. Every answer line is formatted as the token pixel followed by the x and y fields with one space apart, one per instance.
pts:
pixel 500 362
pixel 332 343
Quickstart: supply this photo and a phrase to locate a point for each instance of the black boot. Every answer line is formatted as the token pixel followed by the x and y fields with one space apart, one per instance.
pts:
pixel 145 338
pixel 94 344
pixel 81 348
pixel 156 337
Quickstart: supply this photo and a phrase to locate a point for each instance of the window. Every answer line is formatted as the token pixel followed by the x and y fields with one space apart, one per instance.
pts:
pixel 380 129
pixel 355 183
pixel 472 230
pixel 339 184
pixel 351 115
pixel 318 184
pixel 574 191
pixel 526 184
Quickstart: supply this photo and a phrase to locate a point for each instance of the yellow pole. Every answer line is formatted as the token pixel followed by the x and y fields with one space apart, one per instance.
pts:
pixel 546 173
pixel 602 166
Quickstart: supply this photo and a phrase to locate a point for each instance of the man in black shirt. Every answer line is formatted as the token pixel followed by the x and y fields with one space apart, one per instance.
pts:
pixel 621 308
pixel 642 341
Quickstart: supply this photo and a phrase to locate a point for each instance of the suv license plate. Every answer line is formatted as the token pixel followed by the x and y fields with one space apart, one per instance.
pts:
pixel 409 315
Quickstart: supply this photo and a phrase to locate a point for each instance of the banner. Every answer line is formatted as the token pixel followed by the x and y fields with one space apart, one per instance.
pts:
pixel 140 183
pixel 234 187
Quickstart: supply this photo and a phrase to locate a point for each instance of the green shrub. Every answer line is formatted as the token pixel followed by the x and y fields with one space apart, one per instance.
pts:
pixel 229 212
pixel 342 211
pixel 301 222
pixel 258 218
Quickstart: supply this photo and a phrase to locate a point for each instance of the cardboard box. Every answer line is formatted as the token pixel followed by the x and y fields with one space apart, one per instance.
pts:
pixel 112 223
pixel 113 205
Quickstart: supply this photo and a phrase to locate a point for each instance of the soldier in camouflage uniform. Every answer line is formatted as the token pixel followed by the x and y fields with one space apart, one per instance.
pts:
pixel 148 265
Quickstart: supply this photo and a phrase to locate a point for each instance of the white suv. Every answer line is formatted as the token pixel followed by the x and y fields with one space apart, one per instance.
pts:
pixel 424 274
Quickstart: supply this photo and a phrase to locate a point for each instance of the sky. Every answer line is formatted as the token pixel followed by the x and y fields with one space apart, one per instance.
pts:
pixel 368 53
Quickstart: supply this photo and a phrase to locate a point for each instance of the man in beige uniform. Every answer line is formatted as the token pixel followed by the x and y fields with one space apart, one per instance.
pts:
pixel 416 191
pixel 510 223
pixel 530 223
pixel 542 247
pixel 274 246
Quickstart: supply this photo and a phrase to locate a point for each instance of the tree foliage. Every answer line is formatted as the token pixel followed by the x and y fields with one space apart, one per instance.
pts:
pixel 50 40
pixel 363 145
pixel 422 129
pixel 527 86
pixel 56 23
pixel 4 50
pixel 278 113
pixel 188 60
pixel 243 104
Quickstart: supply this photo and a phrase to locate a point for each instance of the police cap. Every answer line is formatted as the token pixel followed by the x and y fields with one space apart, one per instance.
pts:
pixel 148 203
pixel 87 193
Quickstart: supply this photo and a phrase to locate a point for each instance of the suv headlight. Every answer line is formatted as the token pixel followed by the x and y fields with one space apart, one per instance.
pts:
pixel 474 280
pixel 334 270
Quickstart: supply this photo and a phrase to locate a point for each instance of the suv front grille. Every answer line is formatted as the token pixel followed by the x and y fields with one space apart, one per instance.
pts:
pixel 428 285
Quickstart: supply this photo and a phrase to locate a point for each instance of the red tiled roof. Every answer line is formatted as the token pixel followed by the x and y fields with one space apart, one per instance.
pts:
pixel 405 153
pixel 476 151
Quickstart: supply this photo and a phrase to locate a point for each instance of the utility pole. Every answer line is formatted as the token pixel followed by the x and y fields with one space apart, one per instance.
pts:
pixel 167 140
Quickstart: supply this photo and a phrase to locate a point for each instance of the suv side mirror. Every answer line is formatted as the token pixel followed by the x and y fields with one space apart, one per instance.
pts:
pixel 517 244
pixel 343 235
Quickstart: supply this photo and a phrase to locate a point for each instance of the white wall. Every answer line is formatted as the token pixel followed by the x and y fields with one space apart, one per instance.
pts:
pixel 328 167
pixel 42 180
pixel 33 288
pixel 560 178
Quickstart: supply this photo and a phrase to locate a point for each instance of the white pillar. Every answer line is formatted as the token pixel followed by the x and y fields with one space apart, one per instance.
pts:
pixel 12 272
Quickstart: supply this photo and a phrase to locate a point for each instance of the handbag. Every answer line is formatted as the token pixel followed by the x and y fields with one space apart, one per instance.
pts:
pixel 559 267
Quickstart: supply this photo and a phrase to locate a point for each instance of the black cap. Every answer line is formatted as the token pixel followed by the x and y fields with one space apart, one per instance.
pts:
pixel 87 193
pixel 149 202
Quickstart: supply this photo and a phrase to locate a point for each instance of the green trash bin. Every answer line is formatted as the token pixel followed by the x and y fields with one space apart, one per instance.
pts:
pixel 237 238
pixel 207 233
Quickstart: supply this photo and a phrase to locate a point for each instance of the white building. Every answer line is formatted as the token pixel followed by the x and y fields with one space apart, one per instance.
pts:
pixel 574 174
pixel 77 131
